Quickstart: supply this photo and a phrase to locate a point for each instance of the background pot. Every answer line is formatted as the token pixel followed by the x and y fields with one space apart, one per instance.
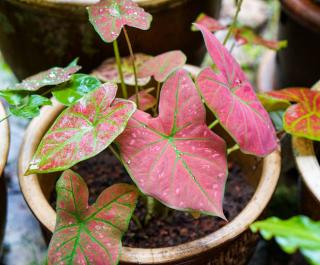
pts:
pixel 4 150
pixel 298 64
pixel 231 244
pixel 35 36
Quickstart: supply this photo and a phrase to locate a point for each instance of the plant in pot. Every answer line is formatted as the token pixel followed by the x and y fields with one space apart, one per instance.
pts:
pixel 175 163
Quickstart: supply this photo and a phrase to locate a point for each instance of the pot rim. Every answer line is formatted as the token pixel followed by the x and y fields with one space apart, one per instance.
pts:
pixel 46 215
pixel 5 139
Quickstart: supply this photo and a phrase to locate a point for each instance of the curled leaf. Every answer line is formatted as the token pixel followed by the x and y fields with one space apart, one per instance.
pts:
pixel 53 76
pixel 108 70
pixel 271 103
pixel 161 66
pixel 299 232
pixel 109 16
pixel 146 100
pixel 175 154
pixel 210 23
pixel 246 36
pixel 293 94
pixel 78 86
pixel 232 99
pixel 82 130
pixel 89 234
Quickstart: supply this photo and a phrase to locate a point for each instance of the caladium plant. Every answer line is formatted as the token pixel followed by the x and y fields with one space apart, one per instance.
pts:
pixel 169 155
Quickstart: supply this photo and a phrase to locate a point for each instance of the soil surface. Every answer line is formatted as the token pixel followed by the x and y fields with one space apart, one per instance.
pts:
pixel 177 227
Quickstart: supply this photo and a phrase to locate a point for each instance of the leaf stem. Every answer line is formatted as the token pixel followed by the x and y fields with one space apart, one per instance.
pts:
pixel 214 123
pixel 6 117
pixel 233 148
pixel 133 65
pixel 157 99
pixel 137 221
pixel 235 18
pixel 118 60
pixel 151 202
pixel 115 153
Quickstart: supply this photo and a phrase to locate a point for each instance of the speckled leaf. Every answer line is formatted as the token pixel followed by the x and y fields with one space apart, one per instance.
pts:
pixel 161 66
pixel 146 100
pixel 82 130
pixel 232 99
pixel 303 119
pixel 299 232
pixel 210 23
pixel 272 103
pixel 78 86
pixel 53 76
pixel 108 70
pixel 89 234
pixel 247 36
pixel 175 154
pixel 109 16
pixel 293 94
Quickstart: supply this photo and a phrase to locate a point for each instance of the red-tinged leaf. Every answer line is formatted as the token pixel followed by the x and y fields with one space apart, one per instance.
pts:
pixel 247 36
pixel 109 16
pixel 303 119
pixel 161 66
pixel 82 130
pixel 272 103
pixel 290 94
pixel 89 234
pixel 232 99
pixel 175 154
pixel 53 76
pixel 146 100
pixel 210 23
pixel 108 70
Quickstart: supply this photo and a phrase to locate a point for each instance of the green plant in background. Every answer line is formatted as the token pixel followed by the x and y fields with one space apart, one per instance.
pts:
pixel 296 233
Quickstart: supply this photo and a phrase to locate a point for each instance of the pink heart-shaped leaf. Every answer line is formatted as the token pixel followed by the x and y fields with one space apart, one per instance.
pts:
pixel 292 94
pixel 109 16
pixel 108 70
pixel 210 23
pixel 53 76
pixel 175 154
pixel 232 99
pixel 161 66
pixel 146 100
pixel 90 234
pixel 247 36
pixel 82 130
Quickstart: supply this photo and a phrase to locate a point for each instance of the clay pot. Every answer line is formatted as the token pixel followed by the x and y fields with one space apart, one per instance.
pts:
pixel 298 64
pixel 4 150
pixel 231 245
pixel 36 35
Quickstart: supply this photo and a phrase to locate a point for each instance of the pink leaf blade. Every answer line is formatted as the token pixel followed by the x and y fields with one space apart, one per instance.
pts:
pixel 108 17
pixel 82 130
pixel 210 23
pixel 303 119
pixel 161 66
pixel 108 70
pixel 93 233
pixel 292 94
pixel 176 151
pixel 230 96
pixel 146 100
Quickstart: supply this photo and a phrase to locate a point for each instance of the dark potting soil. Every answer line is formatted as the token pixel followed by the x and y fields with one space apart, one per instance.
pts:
pixel 178 227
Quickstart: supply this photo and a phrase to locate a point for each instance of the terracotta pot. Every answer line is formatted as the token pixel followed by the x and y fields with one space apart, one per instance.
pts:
pixel 230 245
pixel 298 64
pixel 4 150
pixel 35 35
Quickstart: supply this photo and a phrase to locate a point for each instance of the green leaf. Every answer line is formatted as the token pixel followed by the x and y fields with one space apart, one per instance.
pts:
pixel 13 97
pixel 299 232
pixel 30 107
pixel 90 234
pixel 271 103
pixel 70 92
